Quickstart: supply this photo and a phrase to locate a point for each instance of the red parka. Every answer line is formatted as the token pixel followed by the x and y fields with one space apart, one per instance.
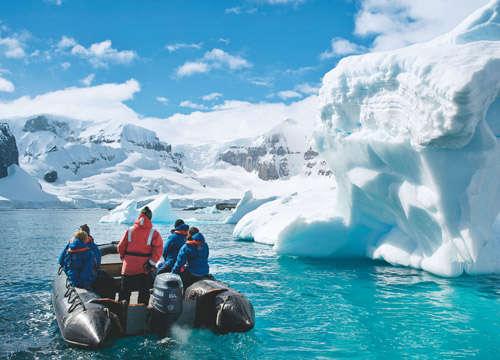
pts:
pixel 140 244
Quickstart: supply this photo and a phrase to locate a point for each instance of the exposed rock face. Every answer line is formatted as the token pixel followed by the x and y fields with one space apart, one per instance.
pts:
pixel 51 176
pixel 269 160
pixel 42 123
pixel 8 149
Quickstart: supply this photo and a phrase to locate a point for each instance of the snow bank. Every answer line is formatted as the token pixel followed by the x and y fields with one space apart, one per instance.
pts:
pixel 412 137
pixel 128 211
pixel 247 204
pixel 20 190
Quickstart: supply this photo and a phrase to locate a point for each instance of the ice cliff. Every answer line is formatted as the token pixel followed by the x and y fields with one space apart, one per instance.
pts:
pixel 412 138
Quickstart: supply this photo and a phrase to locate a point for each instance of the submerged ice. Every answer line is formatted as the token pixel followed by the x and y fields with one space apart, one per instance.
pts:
pixel 412 138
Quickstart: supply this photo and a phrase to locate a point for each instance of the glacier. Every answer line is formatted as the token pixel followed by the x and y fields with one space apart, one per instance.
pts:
pixel 411 136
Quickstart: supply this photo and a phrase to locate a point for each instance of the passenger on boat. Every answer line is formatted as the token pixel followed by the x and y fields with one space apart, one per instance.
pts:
pixel 172 245
pixel 92 244
pixel 103 284
pixel 192 261
pixel 140 249
pixel 79 262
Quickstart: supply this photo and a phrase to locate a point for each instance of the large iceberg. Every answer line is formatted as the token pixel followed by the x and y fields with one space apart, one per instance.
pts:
pixel 412 138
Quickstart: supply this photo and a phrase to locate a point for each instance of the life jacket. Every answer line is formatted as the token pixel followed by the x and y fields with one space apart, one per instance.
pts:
pixel 140 244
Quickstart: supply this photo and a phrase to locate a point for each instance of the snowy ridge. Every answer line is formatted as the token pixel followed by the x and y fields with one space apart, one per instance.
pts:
pixel 412 138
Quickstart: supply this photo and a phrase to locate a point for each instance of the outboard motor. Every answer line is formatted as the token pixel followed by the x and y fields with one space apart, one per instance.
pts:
pixel 166 302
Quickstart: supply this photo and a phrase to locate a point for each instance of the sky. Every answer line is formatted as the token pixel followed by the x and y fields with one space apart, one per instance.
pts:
pixel 177 57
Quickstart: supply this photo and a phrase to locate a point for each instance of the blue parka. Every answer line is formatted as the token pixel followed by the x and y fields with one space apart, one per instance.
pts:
pixel 172 246
pixel 79 262
pixel 194 253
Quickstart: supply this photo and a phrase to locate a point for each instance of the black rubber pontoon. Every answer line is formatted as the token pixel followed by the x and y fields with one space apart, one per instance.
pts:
pixel 82 321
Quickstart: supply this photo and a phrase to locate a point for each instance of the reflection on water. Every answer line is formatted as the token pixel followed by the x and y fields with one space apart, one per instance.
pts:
pixel 305 308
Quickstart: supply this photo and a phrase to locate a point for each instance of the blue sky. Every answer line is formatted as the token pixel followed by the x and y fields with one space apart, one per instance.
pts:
pixel 189 55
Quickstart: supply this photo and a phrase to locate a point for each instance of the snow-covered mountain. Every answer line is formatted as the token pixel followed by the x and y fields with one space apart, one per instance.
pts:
pixel 103 163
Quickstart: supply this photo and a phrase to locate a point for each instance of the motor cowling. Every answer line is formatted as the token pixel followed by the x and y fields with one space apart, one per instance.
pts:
pixel 167 298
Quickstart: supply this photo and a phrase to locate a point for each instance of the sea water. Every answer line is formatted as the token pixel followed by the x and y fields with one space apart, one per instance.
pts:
pixel 304 308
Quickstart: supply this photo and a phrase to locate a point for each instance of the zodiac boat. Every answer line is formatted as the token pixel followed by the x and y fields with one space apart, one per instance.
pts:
pixel 87 319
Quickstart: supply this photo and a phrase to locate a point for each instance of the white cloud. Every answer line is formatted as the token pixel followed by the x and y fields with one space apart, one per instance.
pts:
pixel 99 54
pixel 66 42
pixel 54 2
pixel 191 105
pixel 238 10
pixel 179 46
pixel 102 102
pixel 88 80
pixel 162 99
pixel 224 41
pixel 288 94
pixel 192 67
pixel 213 59
pixel 307 89
pixel 211 96
pixel 341 47
pixel 261 81
pixel 397 23
pixel 284 2
pixel 6 85
pixel 66 65
pixel 13 47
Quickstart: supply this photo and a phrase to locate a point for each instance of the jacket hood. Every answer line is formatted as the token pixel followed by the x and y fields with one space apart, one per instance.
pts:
pixel 198 237
pixel 182 227
pixel 77 244
pixel 143 222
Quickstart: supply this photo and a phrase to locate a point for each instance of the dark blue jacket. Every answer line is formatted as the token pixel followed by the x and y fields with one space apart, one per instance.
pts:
pixel 79 263
pixel 194 253
pixel 171 248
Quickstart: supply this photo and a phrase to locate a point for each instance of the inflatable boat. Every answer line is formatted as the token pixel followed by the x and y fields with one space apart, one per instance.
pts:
pixel 88 319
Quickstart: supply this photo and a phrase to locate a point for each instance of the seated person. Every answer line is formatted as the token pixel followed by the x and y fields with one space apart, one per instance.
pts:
pixel 78 261
pixel 172 245
pixel 192 261
pixel 92 244
pixel 103 284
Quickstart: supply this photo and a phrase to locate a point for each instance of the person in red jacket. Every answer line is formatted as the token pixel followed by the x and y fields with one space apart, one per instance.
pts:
pixel 140 249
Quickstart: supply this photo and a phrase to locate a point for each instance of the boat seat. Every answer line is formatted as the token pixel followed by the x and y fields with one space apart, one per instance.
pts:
pixel 111 264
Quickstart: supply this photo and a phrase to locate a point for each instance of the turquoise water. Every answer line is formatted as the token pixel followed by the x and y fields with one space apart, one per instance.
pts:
pixel 305 309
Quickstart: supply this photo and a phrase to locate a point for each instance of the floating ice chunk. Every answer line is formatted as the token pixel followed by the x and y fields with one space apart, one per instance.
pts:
pixel 125 213
pixel 247 204
pixel 162 210
pixel 128 211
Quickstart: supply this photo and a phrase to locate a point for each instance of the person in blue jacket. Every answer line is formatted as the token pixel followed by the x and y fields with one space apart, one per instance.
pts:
pixel 103 284
pixel 172 245
pixel 192 261
pixel 92 244
pixel 79 262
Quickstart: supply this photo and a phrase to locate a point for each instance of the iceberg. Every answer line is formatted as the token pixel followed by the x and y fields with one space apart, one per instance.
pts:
pixel 412 138
pixel 247 204
pixel 128 211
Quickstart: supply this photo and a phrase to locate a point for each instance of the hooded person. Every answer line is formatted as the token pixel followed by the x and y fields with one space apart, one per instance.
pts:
pixel 78 261
pixel 140 249
pixel 92 244
pixel 172 245
pixel 193 258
